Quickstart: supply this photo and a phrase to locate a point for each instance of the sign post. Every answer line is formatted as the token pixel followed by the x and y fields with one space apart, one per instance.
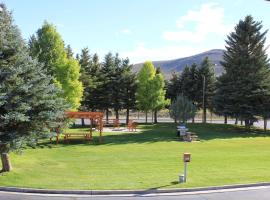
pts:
pixel 186 159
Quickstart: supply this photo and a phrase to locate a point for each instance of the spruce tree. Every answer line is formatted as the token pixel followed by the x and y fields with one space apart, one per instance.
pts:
pixel 128 85
pixel 69 51
pixel 191 84
pixel 174 86
pixel 245 83
pixel 29 101
pixel 206 86
pixel 106 88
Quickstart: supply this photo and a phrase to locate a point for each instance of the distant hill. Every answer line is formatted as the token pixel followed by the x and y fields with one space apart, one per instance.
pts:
pixel 177 65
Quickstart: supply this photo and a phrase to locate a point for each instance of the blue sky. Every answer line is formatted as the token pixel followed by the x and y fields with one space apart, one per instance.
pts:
pixel 139 29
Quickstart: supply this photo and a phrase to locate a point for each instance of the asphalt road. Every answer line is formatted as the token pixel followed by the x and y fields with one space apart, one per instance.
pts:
pixel 258 124
pixel 261 193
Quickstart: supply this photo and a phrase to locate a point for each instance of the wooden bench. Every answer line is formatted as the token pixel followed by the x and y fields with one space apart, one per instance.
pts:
pixel 86 136
pixel 116 123
pixel 132 126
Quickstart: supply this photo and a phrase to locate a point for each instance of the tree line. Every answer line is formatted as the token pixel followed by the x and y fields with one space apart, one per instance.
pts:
pixel 243 90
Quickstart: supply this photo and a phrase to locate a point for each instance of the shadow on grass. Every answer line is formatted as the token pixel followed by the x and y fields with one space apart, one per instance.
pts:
pixel 167 132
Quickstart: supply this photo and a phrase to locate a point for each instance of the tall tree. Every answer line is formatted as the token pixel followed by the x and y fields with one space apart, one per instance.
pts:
pixel 29 103
pixel 150 92
pixel 107 76
pixel 206 81
pixel 48 46
pixel 129 86
pixel 160 94
pixel 116 86
pixel 173 86
pixel 69 51
pixel 246 81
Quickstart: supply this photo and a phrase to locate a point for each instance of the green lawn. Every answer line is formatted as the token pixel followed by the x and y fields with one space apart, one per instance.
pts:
pixel 150 159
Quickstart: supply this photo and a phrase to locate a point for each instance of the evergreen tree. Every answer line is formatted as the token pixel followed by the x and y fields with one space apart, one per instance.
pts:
pixel 29 103
pixel 69 51
pixel 246 81
pixel 182 109
pixel 129 86
pixel 106 89
pixel 48 46
pixel 116 86
pixel 173 86
pixel 85 63
pixel 190 84
pixel 206 89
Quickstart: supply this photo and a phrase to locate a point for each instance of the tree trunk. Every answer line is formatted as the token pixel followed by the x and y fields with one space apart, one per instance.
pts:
pixel 247 124
pixel 193 120
pixel 6 165
pixel 225 119
pixel 155 117
pixel 116 114
pixel 107 116
pixel 241 121
pixel 127 116
pixel 82 121
pixel 146 117
pixel 152 116
pixel 236 121
pixel 264 124
pixel 204 115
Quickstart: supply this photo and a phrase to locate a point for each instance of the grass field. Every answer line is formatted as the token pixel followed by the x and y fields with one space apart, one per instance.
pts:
pixel 151 159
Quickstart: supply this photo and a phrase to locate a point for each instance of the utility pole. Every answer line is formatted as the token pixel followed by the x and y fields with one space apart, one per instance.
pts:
pixel 203 103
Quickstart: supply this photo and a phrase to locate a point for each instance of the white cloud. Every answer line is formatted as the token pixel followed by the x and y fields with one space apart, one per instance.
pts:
pixel 208 19
pixel 142 53
pixel 126 31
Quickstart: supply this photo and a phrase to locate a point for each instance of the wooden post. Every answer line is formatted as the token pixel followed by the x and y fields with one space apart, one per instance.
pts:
pixel 100 130
pixel 91 126
pixel 5 162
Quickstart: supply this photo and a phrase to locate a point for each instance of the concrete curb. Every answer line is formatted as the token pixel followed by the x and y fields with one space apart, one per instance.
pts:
pixel 128 192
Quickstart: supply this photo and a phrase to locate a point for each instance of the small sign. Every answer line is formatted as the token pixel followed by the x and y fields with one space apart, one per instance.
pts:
pixel 186 157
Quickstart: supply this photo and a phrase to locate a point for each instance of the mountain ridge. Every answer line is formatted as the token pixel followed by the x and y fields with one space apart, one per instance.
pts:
pixel 177 65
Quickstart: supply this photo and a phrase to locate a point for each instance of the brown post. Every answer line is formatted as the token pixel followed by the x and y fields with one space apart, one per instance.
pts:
pixel 100 130
pixel 5 162
pixel 91 126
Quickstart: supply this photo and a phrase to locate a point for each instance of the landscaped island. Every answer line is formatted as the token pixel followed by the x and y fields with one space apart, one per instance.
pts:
pixel 152 158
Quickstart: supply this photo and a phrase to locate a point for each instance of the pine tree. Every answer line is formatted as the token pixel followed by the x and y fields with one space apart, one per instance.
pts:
pixel 182 109
pixel 206 89
pixel 128 84
pixel 246 81
pixel 85 63
pixel 107 76
pixel 173 86
pixel 116 86
pixel 69 51
pixel 48 46
pixel 29 103
pixel 191 85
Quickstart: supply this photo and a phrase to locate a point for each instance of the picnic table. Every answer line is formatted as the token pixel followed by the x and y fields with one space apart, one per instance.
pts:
pixel 86 136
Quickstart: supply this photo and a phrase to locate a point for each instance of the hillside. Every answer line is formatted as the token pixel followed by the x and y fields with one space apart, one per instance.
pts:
pixel 177 65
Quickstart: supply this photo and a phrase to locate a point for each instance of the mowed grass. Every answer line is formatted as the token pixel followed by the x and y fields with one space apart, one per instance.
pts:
pixel 225 155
